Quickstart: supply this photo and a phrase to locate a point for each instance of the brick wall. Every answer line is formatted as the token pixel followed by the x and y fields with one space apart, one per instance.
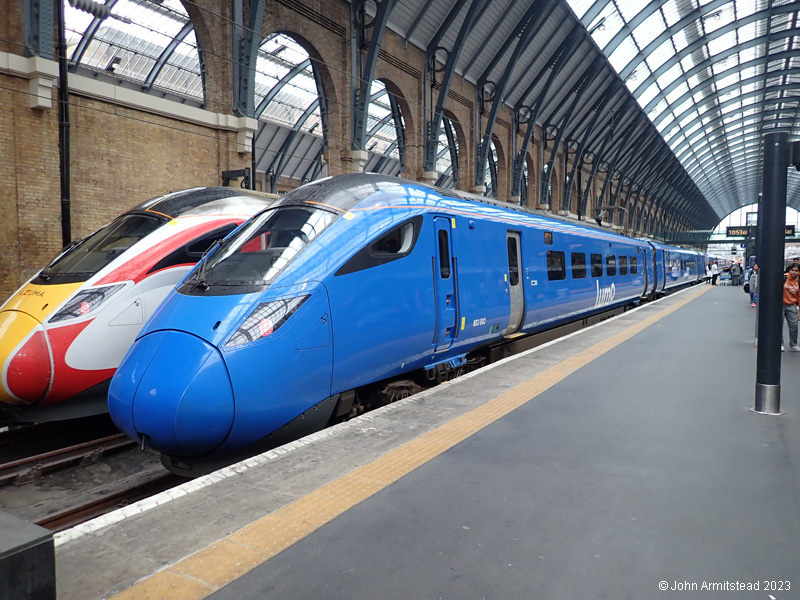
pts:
pixel 119 158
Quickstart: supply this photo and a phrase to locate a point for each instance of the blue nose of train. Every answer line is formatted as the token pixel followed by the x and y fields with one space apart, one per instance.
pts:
pixel 173 390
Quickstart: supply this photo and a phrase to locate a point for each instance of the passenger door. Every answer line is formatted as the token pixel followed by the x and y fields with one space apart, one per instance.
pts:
pixel 514 289
pixel 445 287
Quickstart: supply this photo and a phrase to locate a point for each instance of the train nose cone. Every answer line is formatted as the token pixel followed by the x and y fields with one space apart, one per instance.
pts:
pixel 173 388
pixel 25 362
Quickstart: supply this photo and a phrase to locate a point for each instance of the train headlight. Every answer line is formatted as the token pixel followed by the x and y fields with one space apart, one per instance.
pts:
pixel 85 303
pixel 265 320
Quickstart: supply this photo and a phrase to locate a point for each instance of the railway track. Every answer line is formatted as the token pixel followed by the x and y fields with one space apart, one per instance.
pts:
pixel 33 467
pixel 103 502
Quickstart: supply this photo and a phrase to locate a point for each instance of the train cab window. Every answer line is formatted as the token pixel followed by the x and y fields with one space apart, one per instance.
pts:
pixel 87 257
pixel 192 252
pixel 241 261
pixel 556 265
pixel 611 265
pixel 634 265
pixel 393 245
pixel 578 265
pixel 623 265
pixel 597 265
pixel 444 254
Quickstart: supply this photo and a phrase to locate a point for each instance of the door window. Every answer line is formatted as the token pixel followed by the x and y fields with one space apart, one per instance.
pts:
pixel 513 261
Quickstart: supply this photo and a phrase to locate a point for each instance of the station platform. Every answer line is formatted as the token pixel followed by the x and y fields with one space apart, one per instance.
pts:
pixel 620 462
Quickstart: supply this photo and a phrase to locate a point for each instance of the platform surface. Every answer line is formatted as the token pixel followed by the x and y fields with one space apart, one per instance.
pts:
pixel 610 464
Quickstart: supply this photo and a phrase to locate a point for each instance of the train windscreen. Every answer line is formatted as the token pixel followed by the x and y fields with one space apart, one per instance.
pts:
pixel 262 249
pixel 86 257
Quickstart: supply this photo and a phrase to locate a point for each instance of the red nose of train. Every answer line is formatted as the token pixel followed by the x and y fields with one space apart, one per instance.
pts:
pixel 25 357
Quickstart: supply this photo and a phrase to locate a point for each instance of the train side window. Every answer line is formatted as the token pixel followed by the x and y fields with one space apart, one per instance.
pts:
pixel 611 265
pixel 444 254
pixel 597 265
pixel 578 265
pixel 397 241
pixel 556 265
pixel 548 238
pixel 634 265
pixel 393 245
pixel 623 265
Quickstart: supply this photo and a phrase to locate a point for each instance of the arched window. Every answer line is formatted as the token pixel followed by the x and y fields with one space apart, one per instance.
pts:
pixel 289 101
pixel 149 46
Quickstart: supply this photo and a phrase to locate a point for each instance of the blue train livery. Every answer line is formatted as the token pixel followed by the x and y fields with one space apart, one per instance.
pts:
pixel 290 322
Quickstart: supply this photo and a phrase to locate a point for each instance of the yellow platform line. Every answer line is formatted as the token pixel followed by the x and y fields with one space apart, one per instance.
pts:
pixel 208 570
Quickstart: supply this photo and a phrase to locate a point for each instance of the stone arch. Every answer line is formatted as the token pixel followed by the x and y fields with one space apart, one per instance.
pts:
pixel 318 63
pixel 213 45
pixel 402 101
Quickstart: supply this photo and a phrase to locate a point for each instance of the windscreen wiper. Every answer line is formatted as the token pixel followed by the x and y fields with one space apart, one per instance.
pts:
pixel 201 270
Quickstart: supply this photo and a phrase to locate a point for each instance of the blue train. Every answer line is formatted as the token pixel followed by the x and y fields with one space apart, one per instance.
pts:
pixel 298 317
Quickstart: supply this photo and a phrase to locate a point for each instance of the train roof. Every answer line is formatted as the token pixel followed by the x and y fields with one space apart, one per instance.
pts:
pixel 206 200
pixel 344 192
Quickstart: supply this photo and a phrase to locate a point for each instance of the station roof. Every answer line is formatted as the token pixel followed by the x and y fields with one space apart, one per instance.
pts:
pixel 672 95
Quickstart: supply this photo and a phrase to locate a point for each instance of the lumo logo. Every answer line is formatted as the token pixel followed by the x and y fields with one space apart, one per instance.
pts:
pixel 605 295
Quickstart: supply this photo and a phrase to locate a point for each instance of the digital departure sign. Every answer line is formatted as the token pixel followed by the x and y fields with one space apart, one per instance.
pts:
pixel 737 231
pixel 751 230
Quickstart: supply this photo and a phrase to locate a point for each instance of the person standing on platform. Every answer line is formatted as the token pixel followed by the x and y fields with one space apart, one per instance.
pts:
pixel 736 273
pixel 714 273
pixel 791 297
pixel 752 283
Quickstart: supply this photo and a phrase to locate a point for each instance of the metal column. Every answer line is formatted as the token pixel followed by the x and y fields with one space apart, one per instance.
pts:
pixel 770 290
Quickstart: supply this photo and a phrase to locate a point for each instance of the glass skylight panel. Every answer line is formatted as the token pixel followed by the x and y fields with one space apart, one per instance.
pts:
pixel 732 108
pixel 746 75
pixel 687 118
pixel 670 75
pixel 683 106
pixel 658 109
pixel 728 80
pixel 688 62
pixel 181 74
pixel 781 21
pixel 718 18
pixel 660 55
pixel 667 125
pixel 681 40
pixel 673 11
pixel 722 65
pixel 649 29
pixel 722 43
pixel 624 53
pixel 651 92
pixel 747 32
pixel 676 93
pixel 692 129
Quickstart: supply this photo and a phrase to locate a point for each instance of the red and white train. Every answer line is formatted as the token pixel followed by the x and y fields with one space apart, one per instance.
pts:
pixel 64 333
